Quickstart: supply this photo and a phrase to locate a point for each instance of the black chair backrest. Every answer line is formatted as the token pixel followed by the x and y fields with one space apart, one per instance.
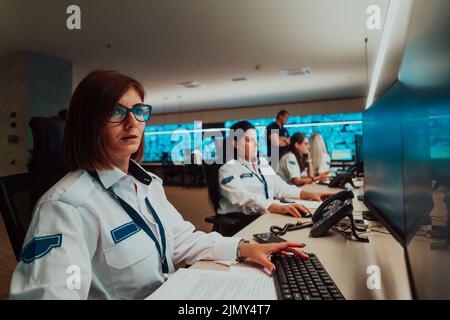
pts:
pixel 48 134
pixel 18 196
pixel 19 193
pixel 211 173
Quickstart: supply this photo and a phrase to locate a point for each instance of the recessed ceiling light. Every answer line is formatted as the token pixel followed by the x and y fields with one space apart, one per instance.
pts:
pixel 190 84
pixel 297 72
pixel 241 78
pixel 307 70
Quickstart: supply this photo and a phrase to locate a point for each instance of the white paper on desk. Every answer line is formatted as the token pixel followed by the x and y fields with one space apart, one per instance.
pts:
pixel 198 284
pixel 226 263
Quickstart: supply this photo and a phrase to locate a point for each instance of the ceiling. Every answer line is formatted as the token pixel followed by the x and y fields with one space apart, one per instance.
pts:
pixel 164 42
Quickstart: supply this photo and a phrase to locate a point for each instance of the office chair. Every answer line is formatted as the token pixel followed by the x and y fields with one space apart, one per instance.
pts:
pixel 193 172
pixel 18 196
pixel 225 224
pixel 48 134
pixel 169 170
pixel 19 193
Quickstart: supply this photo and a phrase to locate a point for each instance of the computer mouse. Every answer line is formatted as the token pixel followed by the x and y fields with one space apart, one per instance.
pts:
pixel 306 214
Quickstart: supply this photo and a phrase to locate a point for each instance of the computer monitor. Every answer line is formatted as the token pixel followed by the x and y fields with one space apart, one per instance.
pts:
pixel 383 179
pixel 406 158
pixel 341 155
pixel 397 162
pixel 359 154
pixel 425 70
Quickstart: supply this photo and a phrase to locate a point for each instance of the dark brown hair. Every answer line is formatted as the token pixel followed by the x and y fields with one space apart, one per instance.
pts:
pixel 301 159
pixel 243 125
pixel 91 107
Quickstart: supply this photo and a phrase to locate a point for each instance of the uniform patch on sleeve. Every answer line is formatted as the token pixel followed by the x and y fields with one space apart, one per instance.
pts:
pixel 124 231
pixel 292 162
pixel 39 247
pixel 227 180
pixel 247 175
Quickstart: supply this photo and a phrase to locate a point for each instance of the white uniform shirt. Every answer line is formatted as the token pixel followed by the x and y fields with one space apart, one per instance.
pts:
pixel 78 226
pixel 197 157
pixel 324 165
pixel 242 188
pixel 289 168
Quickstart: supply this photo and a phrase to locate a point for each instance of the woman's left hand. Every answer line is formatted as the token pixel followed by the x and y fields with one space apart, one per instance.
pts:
pixel 260 253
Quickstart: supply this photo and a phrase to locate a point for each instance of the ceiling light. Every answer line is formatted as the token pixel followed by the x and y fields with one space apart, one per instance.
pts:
pixel 241 78
pixel 297 72
pixel 190 84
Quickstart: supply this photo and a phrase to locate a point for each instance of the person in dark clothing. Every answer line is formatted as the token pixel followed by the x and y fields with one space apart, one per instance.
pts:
pixel 278 136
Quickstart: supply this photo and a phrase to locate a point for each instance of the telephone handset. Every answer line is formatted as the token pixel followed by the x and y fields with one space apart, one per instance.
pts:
pixel 333 210
pixel 341 179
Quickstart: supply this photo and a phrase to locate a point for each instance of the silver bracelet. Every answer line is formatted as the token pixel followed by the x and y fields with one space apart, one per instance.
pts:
pixel 239 256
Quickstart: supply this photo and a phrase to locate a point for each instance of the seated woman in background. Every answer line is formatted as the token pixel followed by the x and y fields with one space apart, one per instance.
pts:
pixel 248 183
pixel 320 157
pixel 295 167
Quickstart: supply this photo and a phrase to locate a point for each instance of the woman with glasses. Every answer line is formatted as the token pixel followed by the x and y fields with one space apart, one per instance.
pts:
pixel 106 230
pixel 296 166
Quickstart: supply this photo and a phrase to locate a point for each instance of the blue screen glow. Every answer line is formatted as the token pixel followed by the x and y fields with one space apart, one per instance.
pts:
pixel 338 131
pixel 158 141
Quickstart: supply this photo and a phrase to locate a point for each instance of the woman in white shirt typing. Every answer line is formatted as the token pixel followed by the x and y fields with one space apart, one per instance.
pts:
pixel 248 183
pixel 106 230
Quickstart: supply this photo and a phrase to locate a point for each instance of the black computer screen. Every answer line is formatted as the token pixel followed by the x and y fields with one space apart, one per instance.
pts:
pixel 383 173
pixel 359 154
pixel 407 151
pixel 425 70
pixel 428 238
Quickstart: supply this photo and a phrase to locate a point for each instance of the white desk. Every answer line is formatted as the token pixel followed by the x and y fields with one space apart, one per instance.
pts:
pixel 346 261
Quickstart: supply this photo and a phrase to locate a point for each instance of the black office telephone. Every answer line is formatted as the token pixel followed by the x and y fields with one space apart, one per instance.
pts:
pixel 341 179
pixel 333 210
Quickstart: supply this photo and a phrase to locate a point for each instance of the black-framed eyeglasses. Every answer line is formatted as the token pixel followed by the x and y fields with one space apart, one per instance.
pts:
pixel 141 112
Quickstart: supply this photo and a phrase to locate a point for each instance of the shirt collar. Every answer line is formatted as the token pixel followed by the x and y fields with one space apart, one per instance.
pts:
pixel 110 177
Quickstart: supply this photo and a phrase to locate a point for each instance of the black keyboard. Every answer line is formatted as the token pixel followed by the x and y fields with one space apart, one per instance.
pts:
pixel 298 279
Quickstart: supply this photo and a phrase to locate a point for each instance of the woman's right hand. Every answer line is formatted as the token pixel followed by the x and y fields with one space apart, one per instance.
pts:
pixel 260 253
pixel 294 209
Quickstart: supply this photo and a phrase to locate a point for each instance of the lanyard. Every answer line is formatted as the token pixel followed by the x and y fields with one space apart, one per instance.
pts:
pixel 261 179
pixel 136 217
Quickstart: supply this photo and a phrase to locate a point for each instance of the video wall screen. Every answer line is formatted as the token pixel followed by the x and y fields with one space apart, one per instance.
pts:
pixel 169 142
pixel 337 130
pixel 163 142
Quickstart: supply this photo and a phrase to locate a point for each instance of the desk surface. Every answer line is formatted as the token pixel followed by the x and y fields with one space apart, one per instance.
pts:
pixel 346 261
